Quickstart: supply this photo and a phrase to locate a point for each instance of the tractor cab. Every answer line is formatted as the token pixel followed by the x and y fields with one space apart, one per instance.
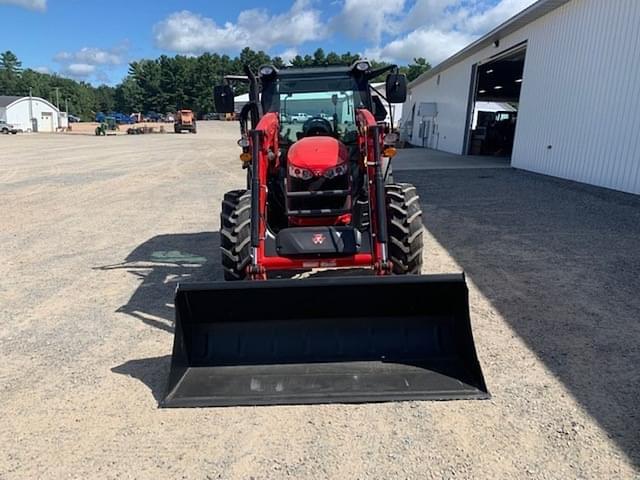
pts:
pixel 317 173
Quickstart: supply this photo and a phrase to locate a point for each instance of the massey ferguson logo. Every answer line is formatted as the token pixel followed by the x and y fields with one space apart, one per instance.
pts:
pixel 318 238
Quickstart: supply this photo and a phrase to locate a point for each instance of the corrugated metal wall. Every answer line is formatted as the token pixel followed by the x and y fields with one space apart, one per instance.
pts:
pixel 581 95
pixel 452 96
pixel 452 107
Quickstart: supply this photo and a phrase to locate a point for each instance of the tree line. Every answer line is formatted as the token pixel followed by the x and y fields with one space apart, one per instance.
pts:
pixel 160 85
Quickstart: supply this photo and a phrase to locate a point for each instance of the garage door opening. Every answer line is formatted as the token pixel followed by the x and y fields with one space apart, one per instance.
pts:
pixel 495 103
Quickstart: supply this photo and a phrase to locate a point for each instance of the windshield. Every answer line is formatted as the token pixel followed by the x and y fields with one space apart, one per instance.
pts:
pixel 304 100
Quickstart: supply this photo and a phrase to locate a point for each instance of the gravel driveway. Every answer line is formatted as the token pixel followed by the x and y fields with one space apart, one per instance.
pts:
pixel 97 231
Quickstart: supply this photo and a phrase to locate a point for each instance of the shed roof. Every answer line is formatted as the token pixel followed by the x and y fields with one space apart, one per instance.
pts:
pixel 6 100
pixel 515 23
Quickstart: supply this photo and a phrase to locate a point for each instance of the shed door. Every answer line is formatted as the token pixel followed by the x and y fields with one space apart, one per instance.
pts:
pixel 46 122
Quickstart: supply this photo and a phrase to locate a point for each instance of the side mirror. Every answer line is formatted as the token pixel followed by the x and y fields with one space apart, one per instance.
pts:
pixel 223 98
pixel 396 88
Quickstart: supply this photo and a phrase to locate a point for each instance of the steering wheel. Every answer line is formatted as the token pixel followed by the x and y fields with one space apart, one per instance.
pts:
pixel 317 126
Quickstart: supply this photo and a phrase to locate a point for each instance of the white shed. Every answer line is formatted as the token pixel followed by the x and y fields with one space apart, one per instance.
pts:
pixel 31 114
pixel 569 68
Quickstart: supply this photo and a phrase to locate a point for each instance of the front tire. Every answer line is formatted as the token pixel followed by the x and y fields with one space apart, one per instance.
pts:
pixel 404 219
pixel 235 234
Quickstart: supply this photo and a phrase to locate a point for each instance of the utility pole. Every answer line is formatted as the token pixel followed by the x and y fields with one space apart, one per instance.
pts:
pixel 34 124
pixel 58 104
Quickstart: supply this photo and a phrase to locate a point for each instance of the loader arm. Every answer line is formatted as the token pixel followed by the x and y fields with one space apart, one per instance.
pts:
pixel 371 141
pixel 264 159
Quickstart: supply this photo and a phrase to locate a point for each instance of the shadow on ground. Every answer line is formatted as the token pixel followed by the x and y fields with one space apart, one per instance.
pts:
pixel 161 263
pixel 153 372
pixel 560 261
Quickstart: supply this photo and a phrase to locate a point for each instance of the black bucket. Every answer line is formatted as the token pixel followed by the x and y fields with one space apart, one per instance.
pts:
pixel 329 340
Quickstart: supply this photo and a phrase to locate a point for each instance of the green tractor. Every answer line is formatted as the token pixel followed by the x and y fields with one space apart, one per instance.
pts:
pixel 107 127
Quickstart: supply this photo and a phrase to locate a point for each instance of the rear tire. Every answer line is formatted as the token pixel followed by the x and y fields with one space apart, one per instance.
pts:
pixel 404 218
pixel 235 234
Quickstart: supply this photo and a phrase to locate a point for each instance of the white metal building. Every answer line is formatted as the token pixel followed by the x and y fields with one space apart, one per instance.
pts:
pixel 32 114
pixel 570 68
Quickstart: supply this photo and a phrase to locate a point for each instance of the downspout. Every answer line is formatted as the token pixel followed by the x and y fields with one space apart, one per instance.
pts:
pixel 31 109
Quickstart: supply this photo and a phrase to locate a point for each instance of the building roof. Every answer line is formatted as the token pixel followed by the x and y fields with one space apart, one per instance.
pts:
pixel 515 23
pixel 6 100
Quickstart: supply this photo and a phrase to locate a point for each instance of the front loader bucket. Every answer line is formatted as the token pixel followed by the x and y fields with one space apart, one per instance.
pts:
pixel 348 339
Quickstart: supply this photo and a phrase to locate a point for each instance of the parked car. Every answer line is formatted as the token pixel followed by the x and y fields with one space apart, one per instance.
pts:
pixel 152 117
pixel 7 128
pixel 73 118
pixel 299 117
pixel 121 118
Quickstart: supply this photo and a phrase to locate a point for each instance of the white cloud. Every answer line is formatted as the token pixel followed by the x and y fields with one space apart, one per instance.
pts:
pixel 39 5
pixel 42 69
pixel 431 43
pixel 92 56
pixel 91 62
pixel 188 32
pixel 368 19
pixel 78 70
pixel 436 29
pixel 287 55
pixel 491 18
pixel 396 30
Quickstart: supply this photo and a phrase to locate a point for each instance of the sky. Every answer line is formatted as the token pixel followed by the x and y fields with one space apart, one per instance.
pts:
pixel 94 41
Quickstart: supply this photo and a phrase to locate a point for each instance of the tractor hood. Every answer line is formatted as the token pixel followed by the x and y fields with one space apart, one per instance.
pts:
pixel 317 154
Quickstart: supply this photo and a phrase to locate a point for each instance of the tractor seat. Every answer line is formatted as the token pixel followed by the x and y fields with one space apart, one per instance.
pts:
pixel 316 126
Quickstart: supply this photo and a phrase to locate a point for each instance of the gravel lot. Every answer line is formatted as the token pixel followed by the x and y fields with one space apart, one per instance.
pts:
pixel 96 231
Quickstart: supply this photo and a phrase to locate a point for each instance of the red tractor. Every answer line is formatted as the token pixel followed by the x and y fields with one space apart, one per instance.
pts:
pixel 320 195
pixel 324 195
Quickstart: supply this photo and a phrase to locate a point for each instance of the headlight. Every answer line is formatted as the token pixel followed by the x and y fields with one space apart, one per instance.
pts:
pixel 266 70
pixel 301 173
pixel 336 171
pixel 363 66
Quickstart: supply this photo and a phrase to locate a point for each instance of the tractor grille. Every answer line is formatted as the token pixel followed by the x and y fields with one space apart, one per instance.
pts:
pixel 318 196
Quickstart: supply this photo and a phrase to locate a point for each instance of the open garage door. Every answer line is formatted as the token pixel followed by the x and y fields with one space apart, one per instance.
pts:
pixel 495 102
